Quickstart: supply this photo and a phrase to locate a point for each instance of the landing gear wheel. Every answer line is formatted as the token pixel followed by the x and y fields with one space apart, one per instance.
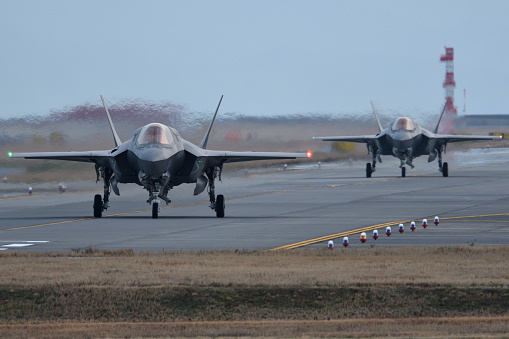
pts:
pixel 220 206
pixel 403 172
pixel 445 169
pixel 155 210
pixel 98 206
pixel 369 170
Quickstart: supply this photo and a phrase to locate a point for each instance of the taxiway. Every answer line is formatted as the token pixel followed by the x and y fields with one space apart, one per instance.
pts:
pixel 302 207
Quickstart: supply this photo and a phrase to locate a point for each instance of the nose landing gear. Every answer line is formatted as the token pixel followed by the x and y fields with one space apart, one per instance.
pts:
pixel 155 210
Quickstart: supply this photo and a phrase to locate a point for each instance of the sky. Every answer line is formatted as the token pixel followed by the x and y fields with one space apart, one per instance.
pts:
pixel 272 57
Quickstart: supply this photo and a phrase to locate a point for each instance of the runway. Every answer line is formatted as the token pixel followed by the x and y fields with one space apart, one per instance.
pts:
pixel 302 207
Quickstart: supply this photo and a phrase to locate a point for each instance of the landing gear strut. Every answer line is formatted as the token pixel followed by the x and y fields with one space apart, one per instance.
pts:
pixel 370 168
pixel 157 190
pixel 444 168
pixel 102 204
pixel 218 204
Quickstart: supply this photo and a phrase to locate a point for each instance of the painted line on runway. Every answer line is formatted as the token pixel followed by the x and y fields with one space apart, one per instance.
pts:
pixel 48 224
pixel 26 196
pixel 15 244
pixel 369 228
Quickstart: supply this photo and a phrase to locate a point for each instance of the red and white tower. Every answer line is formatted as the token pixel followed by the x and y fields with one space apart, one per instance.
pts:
pixel 451 112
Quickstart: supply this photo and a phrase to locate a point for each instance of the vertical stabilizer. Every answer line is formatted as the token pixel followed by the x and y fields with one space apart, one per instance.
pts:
pixel 206 137
pixel 115 135
pixel 441 115
pixel 376 116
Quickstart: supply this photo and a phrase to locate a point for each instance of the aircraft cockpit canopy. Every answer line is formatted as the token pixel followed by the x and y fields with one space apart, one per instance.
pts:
pixel 155 133
pixel 403 123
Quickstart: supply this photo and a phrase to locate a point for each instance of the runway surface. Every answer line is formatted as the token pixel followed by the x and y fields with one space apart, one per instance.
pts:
pixel 302 207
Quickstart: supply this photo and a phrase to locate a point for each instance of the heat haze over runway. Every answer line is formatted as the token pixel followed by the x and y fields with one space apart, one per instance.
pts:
pixel 302 207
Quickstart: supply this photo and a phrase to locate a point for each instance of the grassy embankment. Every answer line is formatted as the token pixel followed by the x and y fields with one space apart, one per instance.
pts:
pixel 373 292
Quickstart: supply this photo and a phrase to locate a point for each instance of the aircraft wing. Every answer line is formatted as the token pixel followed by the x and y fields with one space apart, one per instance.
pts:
pixel 228 156
pixel 446 138
pixel 87 156
pixel 358 138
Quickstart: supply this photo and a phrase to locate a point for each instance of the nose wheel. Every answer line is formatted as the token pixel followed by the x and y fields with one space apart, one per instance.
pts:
pixel 155 210
pixel 403 171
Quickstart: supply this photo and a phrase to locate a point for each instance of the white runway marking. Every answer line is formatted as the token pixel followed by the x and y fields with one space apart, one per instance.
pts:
pixel 20 244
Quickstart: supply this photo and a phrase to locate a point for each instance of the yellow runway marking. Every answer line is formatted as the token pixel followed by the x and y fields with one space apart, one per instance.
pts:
pixel 49 224
pixel 27 196
pixel 374 227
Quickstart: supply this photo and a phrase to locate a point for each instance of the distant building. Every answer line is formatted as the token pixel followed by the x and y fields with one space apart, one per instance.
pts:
pixel 483 120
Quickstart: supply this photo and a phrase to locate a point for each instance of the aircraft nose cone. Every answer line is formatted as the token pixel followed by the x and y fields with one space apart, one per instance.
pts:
pixel 153 162
pixel 402 144
pixel 154 169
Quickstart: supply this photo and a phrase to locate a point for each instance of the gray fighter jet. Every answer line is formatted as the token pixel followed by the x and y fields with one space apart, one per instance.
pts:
pixel 158 159
pixel 406 140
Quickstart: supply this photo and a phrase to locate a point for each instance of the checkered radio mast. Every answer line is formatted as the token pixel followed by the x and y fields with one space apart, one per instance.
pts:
pixel 451 112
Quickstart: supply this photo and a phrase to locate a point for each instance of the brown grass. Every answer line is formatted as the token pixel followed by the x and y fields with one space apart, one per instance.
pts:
pixel 460 266
pixel 467 327
pixel 455 292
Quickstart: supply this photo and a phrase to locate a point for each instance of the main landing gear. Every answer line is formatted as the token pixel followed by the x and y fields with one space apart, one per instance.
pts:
pixel 444 168
pixel 370 168
pixel 102 203
pixel 217 204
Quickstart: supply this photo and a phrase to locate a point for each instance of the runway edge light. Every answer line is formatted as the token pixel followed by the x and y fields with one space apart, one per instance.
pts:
pixel 363 237
pixel 331 245
pixel 424 223
pixel 375 234
pixel 345 241
pixel 437 221
pixel 401 228
pixel 388 231
pixel 412 226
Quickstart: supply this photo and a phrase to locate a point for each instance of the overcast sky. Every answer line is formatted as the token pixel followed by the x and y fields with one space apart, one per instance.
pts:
pixel 267 57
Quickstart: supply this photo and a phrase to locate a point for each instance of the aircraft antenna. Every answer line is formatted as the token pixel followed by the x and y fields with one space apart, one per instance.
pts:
pixel 115 135
pixel 205 140
pixel 376 116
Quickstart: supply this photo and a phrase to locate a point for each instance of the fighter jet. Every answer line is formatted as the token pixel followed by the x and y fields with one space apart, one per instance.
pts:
pixel 158 159
pixel 406 140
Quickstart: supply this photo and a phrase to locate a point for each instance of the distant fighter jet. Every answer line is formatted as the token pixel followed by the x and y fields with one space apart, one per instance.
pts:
pixel 406 140
pixel 158 159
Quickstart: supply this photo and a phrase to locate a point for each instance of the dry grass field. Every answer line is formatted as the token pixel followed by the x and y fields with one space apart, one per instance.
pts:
pixel 406 292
